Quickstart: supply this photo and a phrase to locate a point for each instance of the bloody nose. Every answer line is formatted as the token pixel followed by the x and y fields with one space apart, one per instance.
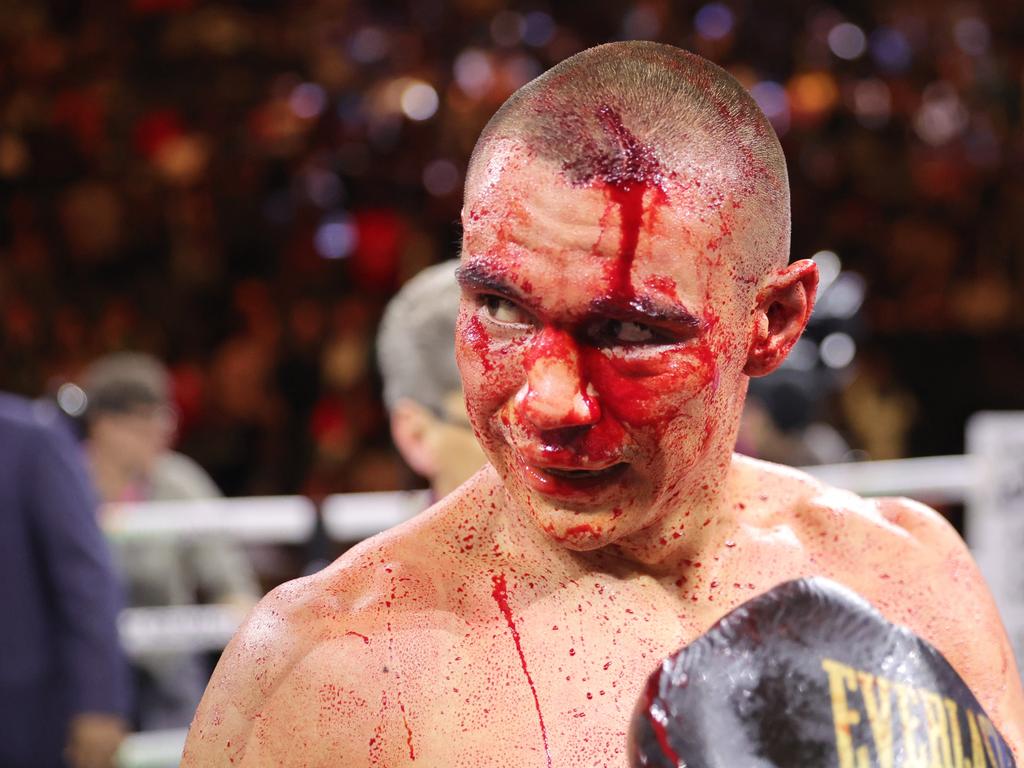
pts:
pixel 555 395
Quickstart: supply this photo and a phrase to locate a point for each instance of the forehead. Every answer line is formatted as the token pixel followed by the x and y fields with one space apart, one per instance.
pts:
pixel 523 214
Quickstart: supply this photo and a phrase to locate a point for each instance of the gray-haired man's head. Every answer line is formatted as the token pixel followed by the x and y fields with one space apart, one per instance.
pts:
pixel 416 341
pixel 422 386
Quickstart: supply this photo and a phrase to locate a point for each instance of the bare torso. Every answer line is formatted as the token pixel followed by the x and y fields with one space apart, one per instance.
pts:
pixel 459 639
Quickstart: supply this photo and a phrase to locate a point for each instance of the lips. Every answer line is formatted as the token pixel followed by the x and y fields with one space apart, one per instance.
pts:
pixel 583 474
pixel 573 483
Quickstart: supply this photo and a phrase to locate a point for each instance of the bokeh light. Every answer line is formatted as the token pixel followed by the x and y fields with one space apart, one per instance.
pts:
pixel 812 95
pixel 803 356
pixel 473 72
pixel 829 267
pixel 72 399
pixel 713 21
pixel 942 116
pixel 890 49
pixel 336 237
pixel 837 350
pixel 847 41
pixel 440 177
pixel 419 100
pixel 772 99
pixel 307 100
pixel 843 297
pixel 538 29
pixel 872 102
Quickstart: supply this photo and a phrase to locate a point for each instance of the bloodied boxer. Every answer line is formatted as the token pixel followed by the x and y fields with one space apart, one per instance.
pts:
pixel 624 272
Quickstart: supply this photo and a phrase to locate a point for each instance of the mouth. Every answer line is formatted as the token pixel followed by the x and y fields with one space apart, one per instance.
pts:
pixel 581 485
pixel 584 474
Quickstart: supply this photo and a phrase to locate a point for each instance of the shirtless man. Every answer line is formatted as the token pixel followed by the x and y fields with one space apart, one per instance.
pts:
pixel 624 272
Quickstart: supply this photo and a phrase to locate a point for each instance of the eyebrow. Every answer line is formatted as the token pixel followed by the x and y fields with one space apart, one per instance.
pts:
pixel 645 309
pixel 476 275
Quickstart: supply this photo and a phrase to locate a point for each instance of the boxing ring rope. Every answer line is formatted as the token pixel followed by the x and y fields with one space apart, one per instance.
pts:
pixel 353 517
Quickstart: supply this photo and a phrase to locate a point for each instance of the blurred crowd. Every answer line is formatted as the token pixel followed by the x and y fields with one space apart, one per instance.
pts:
pixel 238 188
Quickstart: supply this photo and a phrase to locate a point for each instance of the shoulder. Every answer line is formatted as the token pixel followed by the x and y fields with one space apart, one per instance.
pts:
pixel 329 635
pixel 802 499
pixel 21 418
pixel 178 476
pixel 908 561
pixel 252 693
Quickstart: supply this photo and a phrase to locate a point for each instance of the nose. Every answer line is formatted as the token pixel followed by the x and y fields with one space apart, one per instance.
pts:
pixel 556 394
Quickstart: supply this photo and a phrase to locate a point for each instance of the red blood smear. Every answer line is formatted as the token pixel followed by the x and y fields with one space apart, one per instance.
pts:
pixel 628 177
pixel 573 532
pixel 659 730
pixel 477 337
pixel 408 731
pixel 500 595
pixel 366 640
pixel 630 199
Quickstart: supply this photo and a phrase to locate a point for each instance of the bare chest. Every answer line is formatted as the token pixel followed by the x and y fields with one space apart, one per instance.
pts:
pixel 550 680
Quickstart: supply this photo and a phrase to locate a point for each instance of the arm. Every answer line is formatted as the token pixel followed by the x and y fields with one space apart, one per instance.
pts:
pixel 85 589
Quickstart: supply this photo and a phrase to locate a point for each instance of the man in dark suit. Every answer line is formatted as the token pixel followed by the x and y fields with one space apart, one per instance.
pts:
pixel 63 681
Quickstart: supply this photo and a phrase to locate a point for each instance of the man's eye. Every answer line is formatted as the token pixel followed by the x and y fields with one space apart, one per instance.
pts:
pixel 504 311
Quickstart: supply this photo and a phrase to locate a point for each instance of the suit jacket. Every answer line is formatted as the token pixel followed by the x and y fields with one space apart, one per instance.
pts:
pixel 59 594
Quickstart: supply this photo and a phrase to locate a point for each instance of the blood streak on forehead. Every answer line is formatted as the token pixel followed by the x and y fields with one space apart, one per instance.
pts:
pixel 627 174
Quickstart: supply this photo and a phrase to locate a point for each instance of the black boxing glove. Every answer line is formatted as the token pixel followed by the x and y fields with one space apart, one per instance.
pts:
pixel 810 675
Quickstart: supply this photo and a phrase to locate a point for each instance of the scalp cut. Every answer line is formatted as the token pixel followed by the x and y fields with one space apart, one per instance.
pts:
pixel 651 112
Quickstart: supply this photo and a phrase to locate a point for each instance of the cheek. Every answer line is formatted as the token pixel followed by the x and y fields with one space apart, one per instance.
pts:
pixel 491 368
pixel 653 391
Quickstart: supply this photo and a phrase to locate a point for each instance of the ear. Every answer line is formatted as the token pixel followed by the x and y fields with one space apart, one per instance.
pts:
pixel 784 306
pixel 412 428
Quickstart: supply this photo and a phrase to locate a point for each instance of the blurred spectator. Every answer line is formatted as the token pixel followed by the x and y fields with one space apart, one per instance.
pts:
pixel 422 387
pixel 63 681
pixel 129 420
pixel 130 425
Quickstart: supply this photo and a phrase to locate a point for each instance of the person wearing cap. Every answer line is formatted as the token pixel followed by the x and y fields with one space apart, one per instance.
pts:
pixel 129 427
pixel 422 387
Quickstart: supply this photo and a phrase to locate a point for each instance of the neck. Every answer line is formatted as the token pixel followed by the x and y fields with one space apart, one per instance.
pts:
pixel 696 525
pixel 693 528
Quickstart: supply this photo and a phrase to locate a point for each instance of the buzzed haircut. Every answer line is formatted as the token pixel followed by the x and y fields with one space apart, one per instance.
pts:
pixel 641 108
pixel 416 340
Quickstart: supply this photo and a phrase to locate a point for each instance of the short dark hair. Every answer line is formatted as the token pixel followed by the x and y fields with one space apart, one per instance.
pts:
pixel 122 381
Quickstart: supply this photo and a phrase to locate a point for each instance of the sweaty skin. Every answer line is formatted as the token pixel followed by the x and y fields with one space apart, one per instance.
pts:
pixel 606 336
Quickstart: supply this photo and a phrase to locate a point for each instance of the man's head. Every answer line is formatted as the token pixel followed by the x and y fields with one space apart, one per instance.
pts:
pixel 130 421
pixel 422 389
pixel 626 233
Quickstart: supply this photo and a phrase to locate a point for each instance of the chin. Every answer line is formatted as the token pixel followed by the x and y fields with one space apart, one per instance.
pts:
pixel 580 529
